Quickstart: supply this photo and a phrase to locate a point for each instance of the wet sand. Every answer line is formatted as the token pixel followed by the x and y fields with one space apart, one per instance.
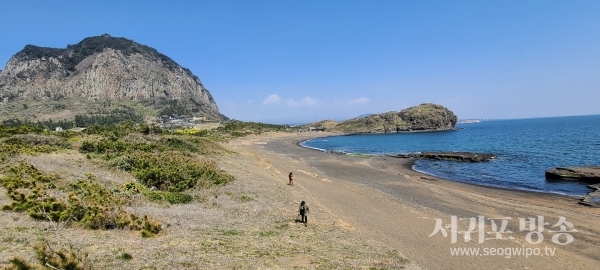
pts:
pixel 385 199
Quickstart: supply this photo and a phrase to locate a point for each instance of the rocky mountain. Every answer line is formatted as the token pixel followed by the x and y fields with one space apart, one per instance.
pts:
pixel 424 117
pixel 100 75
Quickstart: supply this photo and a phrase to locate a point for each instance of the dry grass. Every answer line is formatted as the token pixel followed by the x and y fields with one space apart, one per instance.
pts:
pixel 72 166
pixel 247 224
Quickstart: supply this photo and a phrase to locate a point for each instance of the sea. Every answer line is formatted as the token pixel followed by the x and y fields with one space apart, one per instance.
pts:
pixel 526 148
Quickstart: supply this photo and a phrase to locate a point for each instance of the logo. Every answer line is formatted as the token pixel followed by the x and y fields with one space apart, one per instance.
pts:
pixel 534 226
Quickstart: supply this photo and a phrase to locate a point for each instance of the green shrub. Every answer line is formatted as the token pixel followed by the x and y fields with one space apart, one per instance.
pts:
pixel 60 258
pixel 122 163
pixel 132 188
pixel 18 263
pixel 170 197
pixel 15 126
pixel 126 256
pixel 183 144
pixel 149 228
pixel 52 258
pixel 168 164
pixel 247 198
pixel 31 144
pixel 87 203
pixel 172 171
pixel 174 143
pixel 107 146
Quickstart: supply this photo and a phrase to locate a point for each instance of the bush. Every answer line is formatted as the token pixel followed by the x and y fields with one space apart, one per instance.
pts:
pixel 178 144
pixel 87 203
pixel 60 258
pixel 52 258
pixel 170 197
pixel 31 144
pixel 122 163
pixel 193 131
pixel 18 263
pixel 126 256
pixel 167 164
pixel 172 171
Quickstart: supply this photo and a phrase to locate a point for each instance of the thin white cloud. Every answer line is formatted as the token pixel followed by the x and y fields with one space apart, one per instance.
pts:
pixel 359 101
pixel 272 99
pixel 309 101
pixel 250 101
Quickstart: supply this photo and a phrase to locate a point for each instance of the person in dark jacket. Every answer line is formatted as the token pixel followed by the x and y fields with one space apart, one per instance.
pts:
pixel 291 176
pixel 304 212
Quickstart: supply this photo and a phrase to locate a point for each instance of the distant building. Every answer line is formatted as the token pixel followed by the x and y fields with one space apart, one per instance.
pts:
pixel 200 118
pixel 469 121
pixel 58 129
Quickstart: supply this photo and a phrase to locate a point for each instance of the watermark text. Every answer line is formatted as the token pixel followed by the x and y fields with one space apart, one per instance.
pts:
pixel 507 252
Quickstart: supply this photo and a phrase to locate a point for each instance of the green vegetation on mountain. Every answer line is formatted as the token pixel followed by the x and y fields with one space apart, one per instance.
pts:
pixel 424 117
pixel 375 123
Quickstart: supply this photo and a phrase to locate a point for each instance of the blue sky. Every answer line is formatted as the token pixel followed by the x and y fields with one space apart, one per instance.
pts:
pixel 301 61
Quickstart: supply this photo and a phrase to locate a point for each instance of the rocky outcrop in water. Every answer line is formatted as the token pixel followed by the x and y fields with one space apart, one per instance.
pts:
pixel 450 156
pixel 589 174
pixel 592 198
pixel 105 68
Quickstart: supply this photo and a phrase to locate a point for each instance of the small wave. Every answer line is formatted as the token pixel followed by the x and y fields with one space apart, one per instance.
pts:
pixel 414 167
pixel 302 143
pixel 314 148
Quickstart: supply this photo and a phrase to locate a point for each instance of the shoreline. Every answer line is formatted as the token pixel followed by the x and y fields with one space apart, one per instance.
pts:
pixel 398 206
pixel 411 163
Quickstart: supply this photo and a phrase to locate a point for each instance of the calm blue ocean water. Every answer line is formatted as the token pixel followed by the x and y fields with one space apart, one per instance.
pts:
pixel 525 149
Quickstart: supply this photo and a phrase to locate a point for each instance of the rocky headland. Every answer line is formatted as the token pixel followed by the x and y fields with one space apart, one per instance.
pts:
pixel 424 117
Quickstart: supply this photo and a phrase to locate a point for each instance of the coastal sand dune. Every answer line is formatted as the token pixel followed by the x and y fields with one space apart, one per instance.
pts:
pixel 386 200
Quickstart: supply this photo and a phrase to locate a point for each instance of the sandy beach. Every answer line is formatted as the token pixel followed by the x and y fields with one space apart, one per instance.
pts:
pixel 384 199
pixel 365 213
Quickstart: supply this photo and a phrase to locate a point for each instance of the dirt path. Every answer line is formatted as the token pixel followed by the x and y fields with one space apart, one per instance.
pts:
pixel 383 199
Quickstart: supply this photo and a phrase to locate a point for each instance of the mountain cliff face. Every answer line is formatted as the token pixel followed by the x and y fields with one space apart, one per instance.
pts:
pixel 424 117
pixel 104 68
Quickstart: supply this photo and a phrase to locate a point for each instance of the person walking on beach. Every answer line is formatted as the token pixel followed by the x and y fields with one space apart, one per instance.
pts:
pixel 304 212
pixel 291 176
